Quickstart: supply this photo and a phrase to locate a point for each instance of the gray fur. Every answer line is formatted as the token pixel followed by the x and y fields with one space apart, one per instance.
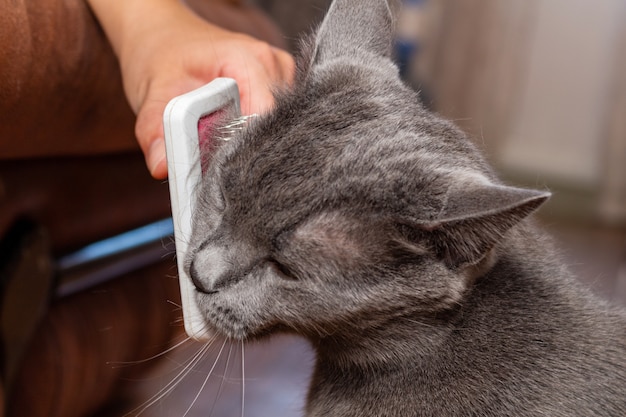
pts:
pixel 352 216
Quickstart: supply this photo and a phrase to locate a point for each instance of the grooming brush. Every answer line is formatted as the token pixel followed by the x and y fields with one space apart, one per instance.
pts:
pixel 192 123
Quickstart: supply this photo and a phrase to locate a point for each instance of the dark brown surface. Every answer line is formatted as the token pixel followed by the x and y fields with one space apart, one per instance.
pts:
pixel 76 361
pixel 60 88
pixel 81 200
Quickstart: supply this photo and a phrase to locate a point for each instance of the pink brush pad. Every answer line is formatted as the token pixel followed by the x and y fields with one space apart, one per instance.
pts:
pixel 208 131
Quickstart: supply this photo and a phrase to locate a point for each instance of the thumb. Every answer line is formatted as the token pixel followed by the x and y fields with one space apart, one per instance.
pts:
pixel 149 132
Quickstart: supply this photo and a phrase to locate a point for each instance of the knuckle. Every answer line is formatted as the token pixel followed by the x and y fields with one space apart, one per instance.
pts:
pixel 265 52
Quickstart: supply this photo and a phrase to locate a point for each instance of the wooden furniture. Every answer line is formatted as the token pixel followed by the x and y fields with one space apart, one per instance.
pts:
pixel 70 173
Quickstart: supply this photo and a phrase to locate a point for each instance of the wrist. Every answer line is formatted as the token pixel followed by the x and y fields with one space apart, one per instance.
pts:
pixel 127 22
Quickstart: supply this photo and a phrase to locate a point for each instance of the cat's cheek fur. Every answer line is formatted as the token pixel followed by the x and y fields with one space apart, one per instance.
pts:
pixel 261 302
pixel 430 287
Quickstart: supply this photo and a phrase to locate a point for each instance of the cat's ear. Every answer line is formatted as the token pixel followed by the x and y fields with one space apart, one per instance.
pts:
pixel 475 218
pixel 354 27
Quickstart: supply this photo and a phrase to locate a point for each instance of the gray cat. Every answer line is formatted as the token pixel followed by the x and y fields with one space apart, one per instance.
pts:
pixel 355 218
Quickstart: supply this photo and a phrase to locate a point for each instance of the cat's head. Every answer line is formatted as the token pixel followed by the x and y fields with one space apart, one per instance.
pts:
pixel 349 202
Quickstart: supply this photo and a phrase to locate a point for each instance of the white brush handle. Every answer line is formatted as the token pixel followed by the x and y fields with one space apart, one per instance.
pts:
pixel 180 123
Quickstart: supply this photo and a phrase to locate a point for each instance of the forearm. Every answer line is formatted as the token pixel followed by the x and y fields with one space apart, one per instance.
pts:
pixel 138 30
pixel 126 20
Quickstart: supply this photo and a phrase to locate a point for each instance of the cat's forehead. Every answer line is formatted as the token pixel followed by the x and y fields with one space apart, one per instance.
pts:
pixel 337 111
pixel 309 135
pixel 350 138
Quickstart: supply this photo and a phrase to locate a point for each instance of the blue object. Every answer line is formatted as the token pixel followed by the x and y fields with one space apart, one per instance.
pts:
pixel 153 232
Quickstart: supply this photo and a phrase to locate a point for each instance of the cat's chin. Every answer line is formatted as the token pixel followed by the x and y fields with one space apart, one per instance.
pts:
pixel 224 323
pixel 231 331
pixel 230 321
pixel 238 332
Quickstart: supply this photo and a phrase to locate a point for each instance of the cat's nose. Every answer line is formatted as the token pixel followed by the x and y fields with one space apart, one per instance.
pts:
pixel 197 282
pixel 211 269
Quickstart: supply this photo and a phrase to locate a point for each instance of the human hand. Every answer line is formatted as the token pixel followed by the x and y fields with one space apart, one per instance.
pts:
pixel 175 51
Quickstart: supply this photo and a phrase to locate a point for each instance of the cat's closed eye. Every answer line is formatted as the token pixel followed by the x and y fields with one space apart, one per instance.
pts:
pixel 281 269
pixel 219 199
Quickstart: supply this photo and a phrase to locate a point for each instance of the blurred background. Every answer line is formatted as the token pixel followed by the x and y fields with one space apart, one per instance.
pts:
pixel 541 85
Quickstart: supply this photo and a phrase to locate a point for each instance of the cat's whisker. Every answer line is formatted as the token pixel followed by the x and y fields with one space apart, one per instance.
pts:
pixel 187 368
pixel 206 380
pixel 177 321
pixel 158 355
pixel 170 386
pixel 243 379
pixel 220 388
pixel 175 304
pixel 226 368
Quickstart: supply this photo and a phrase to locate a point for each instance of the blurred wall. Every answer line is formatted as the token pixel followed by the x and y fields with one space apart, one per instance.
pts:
pixel 541 85
pixel 295 18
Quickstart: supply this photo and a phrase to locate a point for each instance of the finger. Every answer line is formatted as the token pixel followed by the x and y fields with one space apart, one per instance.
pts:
pixel 257 97
pixel 286 65
pixel 257 79
pixel 254 85
pixel 149 132
pixel 278 64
